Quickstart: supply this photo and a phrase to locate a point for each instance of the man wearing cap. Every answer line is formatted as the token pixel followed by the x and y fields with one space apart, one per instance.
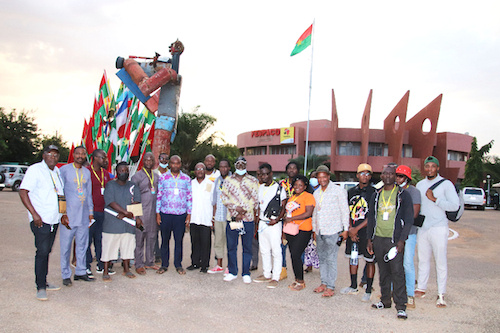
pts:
pixel 39 193
pixel 330 219
pixel 432 238
pixel 359 197
pixel 403 179
pixel 390 217
pixel 240 196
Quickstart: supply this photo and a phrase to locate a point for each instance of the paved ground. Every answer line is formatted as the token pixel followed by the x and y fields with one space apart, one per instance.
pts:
pixel 199 302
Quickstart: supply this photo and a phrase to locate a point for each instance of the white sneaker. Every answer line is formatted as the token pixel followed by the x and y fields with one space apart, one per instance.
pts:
pixel 366 297
pixel 229 277
pixel 247 279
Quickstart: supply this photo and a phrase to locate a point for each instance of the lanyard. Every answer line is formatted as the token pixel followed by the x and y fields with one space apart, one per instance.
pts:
pixel 386 203
pixel 53 182
pixel 152 178
pixel 295 197
pixel 288 187
pixel 268 187
pixel 321 198
pixel 176 178
pixel 79 181
pixel 102 176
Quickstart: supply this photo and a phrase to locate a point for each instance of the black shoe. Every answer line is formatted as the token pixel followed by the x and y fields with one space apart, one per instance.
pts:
pixel 67 282
pixel 192 267
pixel 253 268
pixel 204 270
pixel 83 278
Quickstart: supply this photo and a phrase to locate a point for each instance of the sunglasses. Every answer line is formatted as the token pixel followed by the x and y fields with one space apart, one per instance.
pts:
pixel 364 173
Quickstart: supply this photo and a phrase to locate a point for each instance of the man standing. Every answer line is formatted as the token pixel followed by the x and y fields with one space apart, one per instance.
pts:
pixel 210 171
pixel 403 179
pixel 240 195
pixel 99 177
pixel 219 217
pixel 432 237
pixel 390 218
pixel 359 197
pixel 145 239
pixel 118 235
pixel 330 220
pixel 201 219
pixel 80 213
pixel 163 158
pixel 39 192
pixel 270 227
pixel 173 212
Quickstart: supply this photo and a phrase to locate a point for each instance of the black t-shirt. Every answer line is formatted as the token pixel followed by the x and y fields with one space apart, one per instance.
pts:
pixel 358 203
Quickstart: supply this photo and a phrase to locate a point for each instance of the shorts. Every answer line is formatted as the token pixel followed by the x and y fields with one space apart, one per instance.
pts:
pixel 114 243
pixel 362 251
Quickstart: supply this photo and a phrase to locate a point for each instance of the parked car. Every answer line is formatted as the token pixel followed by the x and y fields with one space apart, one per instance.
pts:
pixel 346 185
pixel 474 197
pixel 11 176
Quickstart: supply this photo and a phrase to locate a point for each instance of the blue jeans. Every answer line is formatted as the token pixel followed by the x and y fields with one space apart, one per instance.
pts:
pixel 409 264
pixel 175 224
pixel 232 247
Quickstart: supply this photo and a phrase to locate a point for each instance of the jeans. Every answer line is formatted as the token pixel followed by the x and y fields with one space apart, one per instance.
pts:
pixel 175 224
pixel 328 250
pixel 44 239
pixel 297 244
pixel 95 235
pixel 409 264
pixel 270 249
pixel 232 237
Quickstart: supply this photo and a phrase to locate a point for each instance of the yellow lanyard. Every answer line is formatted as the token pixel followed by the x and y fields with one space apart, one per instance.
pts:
pixel 321 198
pixel 386 203
pixel 53 181
pixel 295 196
pixel 268 187
pixel 102 176
pixel 175 178
pixel 152 178
pixel 288 188
pixel 79 181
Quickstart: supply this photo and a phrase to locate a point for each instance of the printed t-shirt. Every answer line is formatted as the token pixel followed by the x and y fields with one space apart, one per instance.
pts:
pixel 296 205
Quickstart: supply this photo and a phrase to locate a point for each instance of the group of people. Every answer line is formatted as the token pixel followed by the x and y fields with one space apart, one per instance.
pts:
pixel 122 217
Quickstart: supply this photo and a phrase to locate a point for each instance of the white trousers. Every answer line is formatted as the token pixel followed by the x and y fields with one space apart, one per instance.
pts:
pixel 270 249
pixel 432 241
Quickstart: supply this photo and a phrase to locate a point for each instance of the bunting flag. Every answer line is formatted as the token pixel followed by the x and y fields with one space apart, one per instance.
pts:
pixel 70 157
pixel 303 42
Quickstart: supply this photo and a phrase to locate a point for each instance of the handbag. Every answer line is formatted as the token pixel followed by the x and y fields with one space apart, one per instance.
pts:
pixel 291 228
pixel 419 220
pixel 273 208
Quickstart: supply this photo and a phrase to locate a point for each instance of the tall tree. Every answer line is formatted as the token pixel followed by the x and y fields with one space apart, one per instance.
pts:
pixel 18 136
pixel 57 140
pixel 474 165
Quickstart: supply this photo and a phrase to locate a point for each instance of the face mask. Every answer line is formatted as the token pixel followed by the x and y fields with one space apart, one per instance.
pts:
pixel 241 172
pixel 313 182
pixel 164 166
pixel 403 185
pixel 123 176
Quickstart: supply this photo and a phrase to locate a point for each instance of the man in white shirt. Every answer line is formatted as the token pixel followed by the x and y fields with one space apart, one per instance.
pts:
pixel 269 226
pixel 201 220
pixel 39 193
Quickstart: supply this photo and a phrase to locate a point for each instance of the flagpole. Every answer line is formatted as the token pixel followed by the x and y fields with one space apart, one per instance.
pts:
pixel 309 106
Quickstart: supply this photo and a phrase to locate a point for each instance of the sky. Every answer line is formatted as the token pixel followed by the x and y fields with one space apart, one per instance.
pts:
pixel 237 66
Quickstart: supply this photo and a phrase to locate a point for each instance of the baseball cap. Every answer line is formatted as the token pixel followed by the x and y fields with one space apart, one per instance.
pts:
pixel 323 168
pixel 241 159
pixel 363 167
pixel 49 148
pixel 431 159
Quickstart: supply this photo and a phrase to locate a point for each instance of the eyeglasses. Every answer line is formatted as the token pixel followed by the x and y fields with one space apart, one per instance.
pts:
pixel 200 169
pixel 53 154
pixel 364 173
pixel 400 176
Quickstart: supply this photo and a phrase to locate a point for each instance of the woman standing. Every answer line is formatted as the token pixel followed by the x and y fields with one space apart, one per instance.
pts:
pixel 298 227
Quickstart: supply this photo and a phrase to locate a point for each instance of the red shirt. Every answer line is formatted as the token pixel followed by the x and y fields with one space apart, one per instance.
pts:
pixel 99 179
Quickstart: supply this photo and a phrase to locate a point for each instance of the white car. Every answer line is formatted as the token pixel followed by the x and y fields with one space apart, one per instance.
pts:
pixel 12 176
pixel 474 197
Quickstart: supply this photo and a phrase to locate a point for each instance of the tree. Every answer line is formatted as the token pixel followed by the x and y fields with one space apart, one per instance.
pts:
pixel 313 161
pixel 57 140
pixel 474 165
pixel 18 136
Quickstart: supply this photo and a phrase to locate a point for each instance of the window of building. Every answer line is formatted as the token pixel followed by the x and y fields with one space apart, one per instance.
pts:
pixel 320 148
pixel 282 150
pixel 349 148
pixel 407 151
pixel 378 149
pixel 256 151
pixel 457 156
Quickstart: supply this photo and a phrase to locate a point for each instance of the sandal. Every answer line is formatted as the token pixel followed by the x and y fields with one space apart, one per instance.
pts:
pixel 320 289
pixel 153 267
pixel 130 275
pixel 419 293
pixel 161 270
pixel 106 278
pixel 180 270
pixel 292 285
pixel 298 286
pixel 328 293
pixel 440 303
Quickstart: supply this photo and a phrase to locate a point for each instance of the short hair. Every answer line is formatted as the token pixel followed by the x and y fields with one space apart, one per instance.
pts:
pixel 290 163
pixel 163 154
pixel 302 178
pixel 96 152
pixel 266 166
pixel 80 147
pixel 225 160
pixel 122 163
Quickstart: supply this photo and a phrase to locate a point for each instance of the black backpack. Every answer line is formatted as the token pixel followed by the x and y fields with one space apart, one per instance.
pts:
pixel 453 216
pixel 274 206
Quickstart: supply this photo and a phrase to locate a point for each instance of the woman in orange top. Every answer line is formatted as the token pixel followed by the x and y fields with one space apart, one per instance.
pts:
pixel 299 209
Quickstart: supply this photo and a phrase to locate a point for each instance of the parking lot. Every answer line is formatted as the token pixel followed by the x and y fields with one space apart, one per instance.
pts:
pixel 200 302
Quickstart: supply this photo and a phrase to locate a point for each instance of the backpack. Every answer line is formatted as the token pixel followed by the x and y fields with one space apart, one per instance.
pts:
pixel 453 216
pixel 274 206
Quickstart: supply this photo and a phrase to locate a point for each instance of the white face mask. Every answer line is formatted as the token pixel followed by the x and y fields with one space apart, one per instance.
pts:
pixel 241 172
pixel 403 185
pixel 313 182
pixel 164 166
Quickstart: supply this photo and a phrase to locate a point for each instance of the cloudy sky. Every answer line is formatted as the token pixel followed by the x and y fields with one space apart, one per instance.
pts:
pixel 236 63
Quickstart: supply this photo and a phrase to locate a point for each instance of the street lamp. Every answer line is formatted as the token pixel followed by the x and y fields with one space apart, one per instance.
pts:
pixel 488 177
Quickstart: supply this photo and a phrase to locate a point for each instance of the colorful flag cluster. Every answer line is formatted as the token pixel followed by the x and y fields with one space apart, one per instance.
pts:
pixel 123 127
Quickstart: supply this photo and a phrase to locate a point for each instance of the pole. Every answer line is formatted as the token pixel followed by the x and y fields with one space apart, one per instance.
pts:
pixel 488 195
pixel 309 106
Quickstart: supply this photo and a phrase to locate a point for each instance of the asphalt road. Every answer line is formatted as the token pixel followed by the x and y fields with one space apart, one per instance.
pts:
pixel 200 302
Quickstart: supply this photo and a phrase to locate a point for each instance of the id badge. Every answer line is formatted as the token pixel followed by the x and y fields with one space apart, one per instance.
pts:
pixel 102 190
pixel 153 191
pixel 288 214
pixel 80 191
pixel 176 191
pixel 385 216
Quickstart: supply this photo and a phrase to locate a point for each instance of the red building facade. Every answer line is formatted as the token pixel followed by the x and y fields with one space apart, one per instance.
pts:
pixel 402 141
